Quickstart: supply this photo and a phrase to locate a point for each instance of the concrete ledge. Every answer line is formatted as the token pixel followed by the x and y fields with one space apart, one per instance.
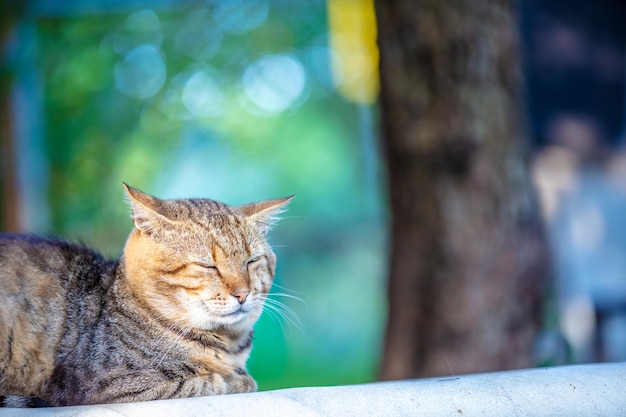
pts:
pixel 582 390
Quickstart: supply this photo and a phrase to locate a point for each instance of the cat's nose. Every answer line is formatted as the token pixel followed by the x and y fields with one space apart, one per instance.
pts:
pixel 241 294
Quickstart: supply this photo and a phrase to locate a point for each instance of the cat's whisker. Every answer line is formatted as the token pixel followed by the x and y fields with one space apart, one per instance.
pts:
pixel 173 326
pixel 282 317
pixel 276 318
pixel 289 312
pixel 284 289
pixel 180 335
pixel 285 294
pixel 167 314
pixel 283 311
pixel 280 305
pixel 293 297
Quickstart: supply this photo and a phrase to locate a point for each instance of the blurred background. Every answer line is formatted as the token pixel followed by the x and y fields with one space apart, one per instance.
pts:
pixel 575 69
pixel 236 101
pixel 247 100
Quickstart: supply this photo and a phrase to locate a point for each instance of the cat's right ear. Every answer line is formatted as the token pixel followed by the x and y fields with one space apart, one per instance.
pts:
pixel 265 213
pixel 145 210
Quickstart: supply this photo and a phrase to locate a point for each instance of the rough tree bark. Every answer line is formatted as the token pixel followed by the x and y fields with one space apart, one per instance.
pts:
pixel 468 257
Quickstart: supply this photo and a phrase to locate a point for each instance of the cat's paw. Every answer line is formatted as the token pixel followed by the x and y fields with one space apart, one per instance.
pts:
pixel 18 401
pixel 241 382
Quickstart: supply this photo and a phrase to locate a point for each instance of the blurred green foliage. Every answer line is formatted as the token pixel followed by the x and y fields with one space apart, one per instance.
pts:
pixel 153 132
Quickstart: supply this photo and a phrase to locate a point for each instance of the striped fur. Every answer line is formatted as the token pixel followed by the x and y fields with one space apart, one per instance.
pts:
pixel 172 318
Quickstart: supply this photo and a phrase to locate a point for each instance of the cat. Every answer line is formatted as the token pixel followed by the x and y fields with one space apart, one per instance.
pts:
pixel 172 318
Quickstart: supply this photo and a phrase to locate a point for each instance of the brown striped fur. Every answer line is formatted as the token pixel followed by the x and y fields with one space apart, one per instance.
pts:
pixel 172 318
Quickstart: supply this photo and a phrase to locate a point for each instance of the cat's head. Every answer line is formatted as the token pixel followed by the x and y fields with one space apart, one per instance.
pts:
pixel 199 263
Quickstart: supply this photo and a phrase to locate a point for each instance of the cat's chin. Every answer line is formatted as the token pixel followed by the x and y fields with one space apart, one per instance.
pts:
pixel 239 320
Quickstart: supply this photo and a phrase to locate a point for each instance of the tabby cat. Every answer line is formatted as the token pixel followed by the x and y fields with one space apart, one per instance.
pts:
pixel 172 318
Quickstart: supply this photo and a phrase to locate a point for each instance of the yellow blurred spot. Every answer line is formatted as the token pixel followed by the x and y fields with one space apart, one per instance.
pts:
pixel 354 63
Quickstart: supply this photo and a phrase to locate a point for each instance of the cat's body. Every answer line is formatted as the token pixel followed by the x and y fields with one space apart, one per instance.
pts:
pixel 173 318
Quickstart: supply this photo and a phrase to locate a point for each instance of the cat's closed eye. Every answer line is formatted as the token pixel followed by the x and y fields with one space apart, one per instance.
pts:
pixel 254 261
pixel 207 266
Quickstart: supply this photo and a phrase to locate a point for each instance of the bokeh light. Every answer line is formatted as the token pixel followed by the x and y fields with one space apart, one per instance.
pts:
pixel 139 28
pixel 198 37
pixel 240 16
pixel 202 96
pixel 141 72
pixel 274 82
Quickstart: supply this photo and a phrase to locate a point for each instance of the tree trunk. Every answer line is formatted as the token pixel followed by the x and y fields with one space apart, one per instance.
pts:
pixel 468 257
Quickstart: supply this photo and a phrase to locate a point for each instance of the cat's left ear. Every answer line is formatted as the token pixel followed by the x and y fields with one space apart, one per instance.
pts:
pixel 265 213
pixel 147 212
